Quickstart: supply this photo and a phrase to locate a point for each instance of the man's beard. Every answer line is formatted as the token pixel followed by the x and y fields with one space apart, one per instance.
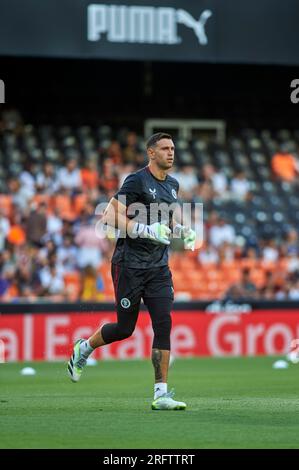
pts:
pixel 165 165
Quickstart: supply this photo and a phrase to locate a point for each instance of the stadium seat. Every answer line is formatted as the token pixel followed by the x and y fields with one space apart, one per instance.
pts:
pixel 63 205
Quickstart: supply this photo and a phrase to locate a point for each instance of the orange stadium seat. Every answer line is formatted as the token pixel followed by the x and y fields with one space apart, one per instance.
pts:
pixel 214 274
pixel 196 276
pixel 233 275
pixel 79 203
pixel 258 277
pixel 62 203
pixel 283 264
pixel 248 263
pixel 268 265
pixel 105 270
pixel 188 264
pixel 207 266
pixel 44 198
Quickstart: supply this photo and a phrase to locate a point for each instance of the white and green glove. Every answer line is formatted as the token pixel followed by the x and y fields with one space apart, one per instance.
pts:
pixel 187 234
pixel 156 232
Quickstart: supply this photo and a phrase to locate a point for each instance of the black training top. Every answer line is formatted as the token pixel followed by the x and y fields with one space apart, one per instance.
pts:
pixel 143 193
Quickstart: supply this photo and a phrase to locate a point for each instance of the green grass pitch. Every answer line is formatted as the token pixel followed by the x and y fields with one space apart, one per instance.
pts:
pixel 231 403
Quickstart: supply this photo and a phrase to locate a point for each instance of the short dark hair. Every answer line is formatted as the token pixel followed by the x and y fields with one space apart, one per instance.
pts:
pixel 156 137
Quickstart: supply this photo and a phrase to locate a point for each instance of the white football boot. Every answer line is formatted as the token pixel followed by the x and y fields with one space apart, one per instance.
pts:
pixel 166 402
pixel 76 363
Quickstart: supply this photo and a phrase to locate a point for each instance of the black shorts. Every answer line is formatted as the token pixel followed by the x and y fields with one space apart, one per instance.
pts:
pixel 130 284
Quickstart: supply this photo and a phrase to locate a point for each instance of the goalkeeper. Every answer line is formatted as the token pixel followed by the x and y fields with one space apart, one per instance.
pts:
pixel 140 264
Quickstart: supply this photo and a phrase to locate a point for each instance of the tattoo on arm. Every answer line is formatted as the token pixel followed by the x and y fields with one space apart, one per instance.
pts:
pixel 156 360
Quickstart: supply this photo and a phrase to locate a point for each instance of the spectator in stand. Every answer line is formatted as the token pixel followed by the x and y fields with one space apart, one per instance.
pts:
pixel 268 293
pixel 141 160
pixel 90 177
pixel 125 171
pixel 4 229
pixel 292 242
pixel 68 228
pixel 294 290
pixel 188 181
pixel 17 234
pixel 48 248
pixel 109 177
pixel 92 285
pixel 37 224
pixel 46 180
pixel 27 180
pixel 217 179
pixel 86 218
pixel 69 177
pixel 213 218
pixel 52 282
pixel 292 263
pixel 21 195
pixel 90 247
pixel 114 153
pixel 245 289
pixel 67 255
pixel 221 232
pixel 5 279
pixel 270 287
pixel 251 253
pixel 54 227
pixel 8 286
pixel 4 269
pixel 27 293
pixel 270 252
pixel 248 288
pixel 226 252
pixel 131 149
pixel 240 187
pixel 208 255
pixel 204 192
pixel 7 260
pixel 284 165
pixel 23 278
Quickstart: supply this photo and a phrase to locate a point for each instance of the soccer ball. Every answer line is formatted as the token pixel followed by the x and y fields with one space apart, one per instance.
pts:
pixel 293 357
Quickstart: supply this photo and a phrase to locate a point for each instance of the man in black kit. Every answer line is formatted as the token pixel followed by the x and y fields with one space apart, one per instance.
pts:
pixel 140 263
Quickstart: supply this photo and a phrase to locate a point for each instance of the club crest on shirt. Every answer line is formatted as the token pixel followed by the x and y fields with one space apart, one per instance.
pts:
pixel 125 303
pixel 153 192
pixel 173 192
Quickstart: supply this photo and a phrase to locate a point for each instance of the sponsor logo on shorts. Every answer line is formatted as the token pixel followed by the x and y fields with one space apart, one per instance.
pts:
pixel 125 303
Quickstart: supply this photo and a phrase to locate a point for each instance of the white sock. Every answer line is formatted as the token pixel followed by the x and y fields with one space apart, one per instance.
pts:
pixel 160 388
pixel 85 348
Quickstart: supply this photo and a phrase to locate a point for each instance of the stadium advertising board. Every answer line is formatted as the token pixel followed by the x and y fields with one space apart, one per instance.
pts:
pixel 50 336
pixel 263 31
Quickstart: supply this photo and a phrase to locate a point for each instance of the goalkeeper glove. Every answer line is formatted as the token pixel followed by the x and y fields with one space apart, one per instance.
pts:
pixel 187 234
pixel 156 232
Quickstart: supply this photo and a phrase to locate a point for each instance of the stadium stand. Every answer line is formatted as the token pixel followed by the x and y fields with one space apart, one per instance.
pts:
pixel 53 177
